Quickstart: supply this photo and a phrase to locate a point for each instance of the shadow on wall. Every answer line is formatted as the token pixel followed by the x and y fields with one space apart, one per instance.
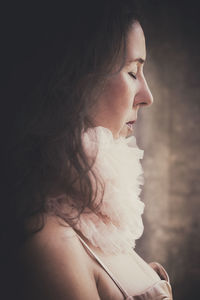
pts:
pixel 168 131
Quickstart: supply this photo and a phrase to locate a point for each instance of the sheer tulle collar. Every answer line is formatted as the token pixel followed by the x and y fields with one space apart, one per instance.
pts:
pixel 119 222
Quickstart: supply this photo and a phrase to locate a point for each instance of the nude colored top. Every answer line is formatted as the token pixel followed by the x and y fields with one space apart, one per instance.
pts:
pixel 159 291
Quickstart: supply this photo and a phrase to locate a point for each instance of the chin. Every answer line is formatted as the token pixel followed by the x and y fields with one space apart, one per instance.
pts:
pixel 124 132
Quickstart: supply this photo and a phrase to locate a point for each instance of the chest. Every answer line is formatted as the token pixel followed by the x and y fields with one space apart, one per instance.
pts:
pixel 131 271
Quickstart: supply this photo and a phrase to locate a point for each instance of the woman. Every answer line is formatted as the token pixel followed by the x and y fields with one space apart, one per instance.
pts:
pixel 76 173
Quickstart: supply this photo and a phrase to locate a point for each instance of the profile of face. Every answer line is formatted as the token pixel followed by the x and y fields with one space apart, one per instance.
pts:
pixel 126 91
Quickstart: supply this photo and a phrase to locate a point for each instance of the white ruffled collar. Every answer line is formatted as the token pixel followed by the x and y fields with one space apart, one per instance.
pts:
pixel 118 164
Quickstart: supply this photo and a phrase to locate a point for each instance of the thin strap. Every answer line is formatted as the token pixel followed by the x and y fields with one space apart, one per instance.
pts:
pixel 124 292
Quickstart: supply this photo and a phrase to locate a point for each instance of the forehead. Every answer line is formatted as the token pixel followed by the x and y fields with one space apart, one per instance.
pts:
pixel 136 42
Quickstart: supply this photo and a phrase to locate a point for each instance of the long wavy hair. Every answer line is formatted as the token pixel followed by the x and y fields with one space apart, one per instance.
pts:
pixel 61 66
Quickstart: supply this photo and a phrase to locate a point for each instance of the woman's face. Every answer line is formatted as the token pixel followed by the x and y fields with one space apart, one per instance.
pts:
pixel 126 91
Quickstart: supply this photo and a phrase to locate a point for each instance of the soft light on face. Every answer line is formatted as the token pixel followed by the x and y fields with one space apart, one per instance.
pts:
pixel 126 91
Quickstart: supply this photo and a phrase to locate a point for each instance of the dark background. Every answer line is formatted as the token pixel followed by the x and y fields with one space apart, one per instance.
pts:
pixel 169 132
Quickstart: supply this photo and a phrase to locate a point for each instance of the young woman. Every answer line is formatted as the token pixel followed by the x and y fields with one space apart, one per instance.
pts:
pixel 74 168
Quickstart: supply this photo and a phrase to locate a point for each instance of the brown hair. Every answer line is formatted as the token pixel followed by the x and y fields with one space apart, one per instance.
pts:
pixel 64 64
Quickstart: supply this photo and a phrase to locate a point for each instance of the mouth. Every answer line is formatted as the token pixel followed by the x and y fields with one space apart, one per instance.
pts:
pixel 130 124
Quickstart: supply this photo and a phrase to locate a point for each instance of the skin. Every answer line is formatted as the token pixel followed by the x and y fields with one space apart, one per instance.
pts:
pixel 55 264
pixel 126 91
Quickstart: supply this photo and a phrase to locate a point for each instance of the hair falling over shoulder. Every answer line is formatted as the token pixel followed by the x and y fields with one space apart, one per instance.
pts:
pixel 59 66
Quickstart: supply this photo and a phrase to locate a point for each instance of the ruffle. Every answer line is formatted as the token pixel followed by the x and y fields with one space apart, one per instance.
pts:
pixel 119 222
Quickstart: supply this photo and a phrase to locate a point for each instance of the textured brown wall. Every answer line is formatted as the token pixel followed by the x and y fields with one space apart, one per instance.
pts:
pixel 169 132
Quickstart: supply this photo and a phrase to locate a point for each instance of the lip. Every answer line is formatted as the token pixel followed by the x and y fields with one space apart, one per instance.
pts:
pixel 131 122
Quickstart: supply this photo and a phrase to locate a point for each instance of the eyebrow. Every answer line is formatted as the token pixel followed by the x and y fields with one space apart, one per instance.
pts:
pixel 139 59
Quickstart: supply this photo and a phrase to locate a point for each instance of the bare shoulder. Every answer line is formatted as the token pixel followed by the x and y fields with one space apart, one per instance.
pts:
pixel 53 238
pixel 56 265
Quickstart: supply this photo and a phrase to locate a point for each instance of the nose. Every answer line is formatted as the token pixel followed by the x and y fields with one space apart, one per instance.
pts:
pixel 144 95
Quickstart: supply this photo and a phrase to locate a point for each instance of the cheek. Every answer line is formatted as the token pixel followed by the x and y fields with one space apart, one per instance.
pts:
pixel 118 94
pixel 114 106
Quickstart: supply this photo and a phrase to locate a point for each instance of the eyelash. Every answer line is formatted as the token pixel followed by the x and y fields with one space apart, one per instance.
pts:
pixel 132 75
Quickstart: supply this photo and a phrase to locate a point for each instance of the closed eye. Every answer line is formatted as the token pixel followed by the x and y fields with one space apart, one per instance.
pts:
pixel 132 75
